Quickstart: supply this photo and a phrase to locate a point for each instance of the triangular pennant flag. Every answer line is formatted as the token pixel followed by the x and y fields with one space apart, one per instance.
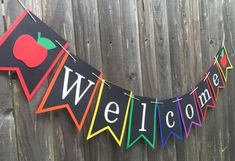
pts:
pixel 29 48
pixel 169 120
pixel 215 80
pixel 223 62
pixel 72 88
pixel 111 112
pixel 204 97
pixel 142 121
pixel 189 112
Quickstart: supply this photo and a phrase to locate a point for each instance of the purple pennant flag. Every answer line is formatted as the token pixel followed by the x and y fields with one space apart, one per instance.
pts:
pixel 189 112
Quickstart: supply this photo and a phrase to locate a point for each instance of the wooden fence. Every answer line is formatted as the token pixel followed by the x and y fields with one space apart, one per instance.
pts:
pixel 157 48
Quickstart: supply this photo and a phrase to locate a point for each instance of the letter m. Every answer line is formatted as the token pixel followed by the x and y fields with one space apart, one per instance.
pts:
pixel 76 84
pixel 204 97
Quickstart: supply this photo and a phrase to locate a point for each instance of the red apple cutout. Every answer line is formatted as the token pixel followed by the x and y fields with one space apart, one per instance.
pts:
pixel 33 53
pixel 223 60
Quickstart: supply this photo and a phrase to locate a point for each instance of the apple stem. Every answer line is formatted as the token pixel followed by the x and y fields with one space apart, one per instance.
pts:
pixel 39 35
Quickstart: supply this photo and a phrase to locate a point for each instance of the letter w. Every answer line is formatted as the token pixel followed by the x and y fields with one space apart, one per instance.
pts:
pixel 77 83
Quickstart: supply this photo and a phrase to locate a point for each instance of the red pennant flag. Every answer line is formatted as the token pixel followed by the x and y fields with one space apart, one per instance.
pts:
pixel 29 48
pixel 204 97
pixel 215 80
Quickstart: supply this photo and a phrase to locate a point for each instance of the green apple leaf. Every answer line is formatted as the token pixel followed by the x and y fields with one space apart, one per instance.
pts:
pixel 47 43
pixel 222 53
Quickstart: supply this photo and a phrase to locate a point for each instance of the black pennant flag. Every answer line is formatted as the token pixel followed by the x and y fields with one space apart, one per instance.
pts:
pixel 215 80
pixel 142 121
pixel 111 112
pixel 223 62
pixel 72 88
pixel 189 112
pixel 30 49
pixel 204 97
pixel 169 120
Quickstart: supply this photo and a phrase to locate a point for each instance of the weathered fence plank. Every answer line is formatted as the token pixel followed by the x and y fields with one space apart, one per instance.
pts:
pixel 8 145
pixel 87 36
pixel 229 24
pixel 148 59
pixel 58 14
pixel 189 24
pixel 163 67
pixel 33 133
pixel 221 128
pixel 132 67
pixel 120 55
pixel 157 48
pixel 174 21
pixel 209 50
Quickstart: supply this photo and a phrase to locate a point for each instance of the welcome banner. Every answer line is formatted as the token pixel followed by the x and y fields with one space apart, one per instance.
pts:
pixel 32 49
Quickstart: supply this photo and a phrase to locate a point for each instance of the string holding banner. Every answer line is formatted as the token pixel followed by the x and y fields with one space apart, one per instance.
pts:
pixel 25 8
